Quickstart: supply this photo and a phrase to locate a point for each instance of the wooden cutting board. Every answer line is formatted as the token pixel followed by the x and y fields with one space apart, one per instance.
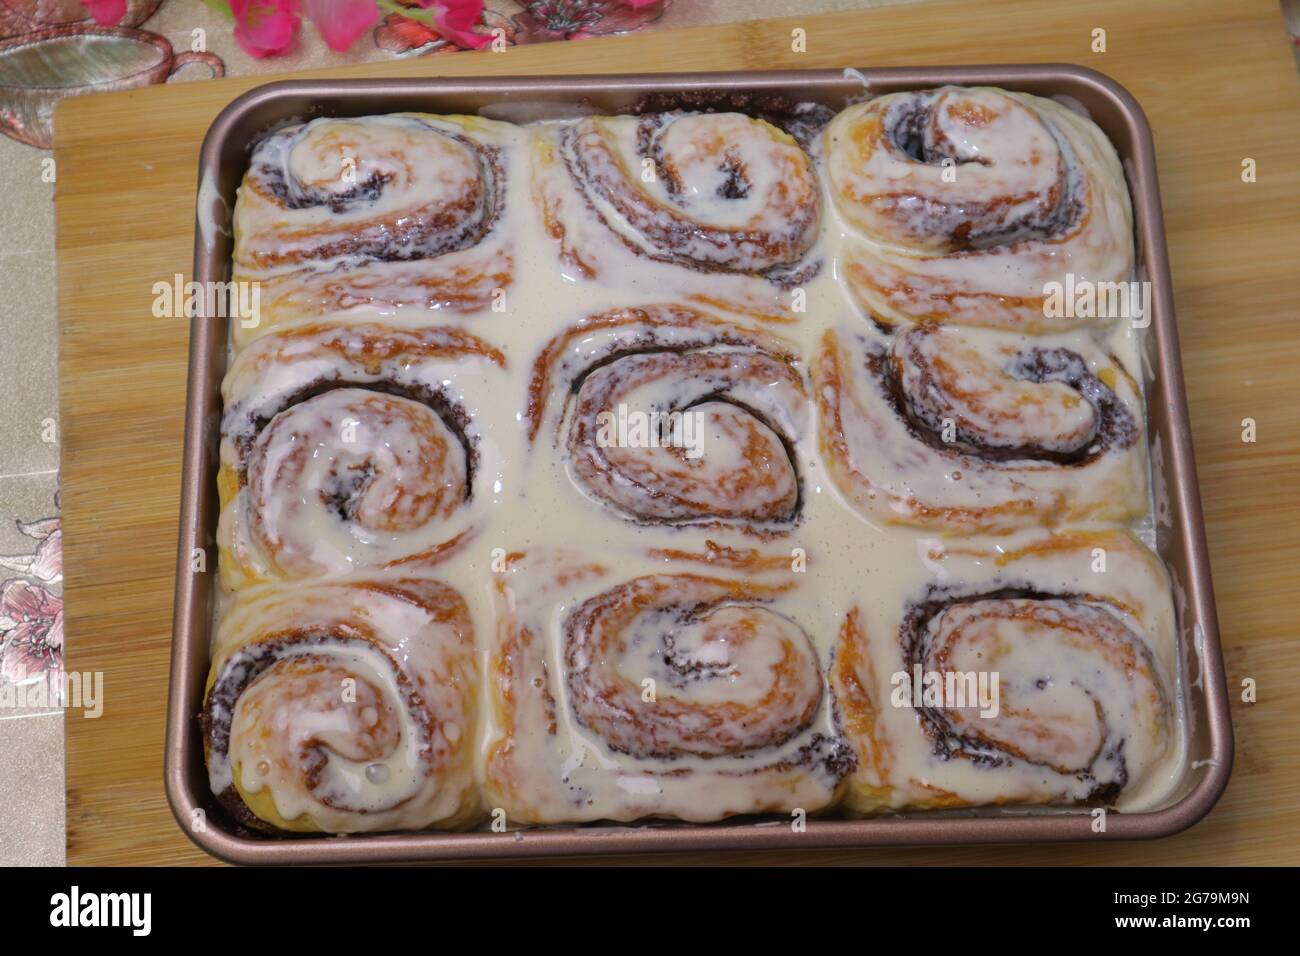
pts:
pixel 1217 80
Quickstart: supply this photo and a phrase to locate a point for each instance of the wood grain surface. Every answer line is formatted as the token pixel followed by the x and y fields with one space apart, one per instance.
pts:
pixel 1219 85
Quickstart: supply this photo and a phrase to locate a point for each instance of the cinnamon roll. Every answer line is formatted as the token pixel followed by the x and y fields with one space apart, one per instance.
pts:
pixel 678 692
pixel 377 214
pixel 963 205
pixel 969 430
pixel 1073 636
pixel 670 415
pixel 350 447
pixel 721 194
pixel 344 708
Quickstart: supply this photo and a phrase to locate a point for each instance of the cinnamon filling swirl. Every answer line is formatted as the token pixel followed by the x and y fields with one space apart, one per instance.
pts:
pixel 980 431
pixel 656 691
pixel 349 446
pixel 715 192
pixel 1031 194
pixel 1074 680
pixel 930 379
pixel 731 676
pixel 302 675
pixel 1038 672
pixel 396 188
pixel 343 708
pixel 376 463
pixel 387 215
pixel 964 206
pixel 675 416
pixel 732 463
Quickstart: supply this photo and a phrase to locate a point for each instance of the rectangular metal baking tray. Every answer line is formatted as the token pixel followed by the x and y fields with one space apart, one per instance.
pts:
pixel 1179 527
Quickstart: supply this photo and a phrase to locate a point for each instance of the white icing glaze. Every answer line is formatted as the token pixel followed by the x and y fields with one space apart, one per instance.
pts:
pixel 212 212
pixel 539 523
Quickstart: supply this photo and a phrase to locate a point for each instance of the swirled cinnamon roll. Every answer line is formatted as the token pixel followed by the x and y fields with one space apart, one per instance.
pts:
pixel 971 430
pixel 963 205
pixel 344 708
pixel 687 691
pixel 670 415
pixel 722 194
pixel 350 447
pixel 1043 673
pixel 377 214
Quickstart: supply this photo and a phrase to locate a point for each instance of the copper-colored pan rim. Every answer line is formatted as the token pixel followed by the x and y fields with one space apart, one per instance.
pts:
pixel 190 632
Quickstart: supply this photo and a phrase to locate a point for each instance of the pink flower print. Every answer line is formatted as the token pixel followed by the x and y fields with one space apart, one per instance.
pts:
pixel 31 627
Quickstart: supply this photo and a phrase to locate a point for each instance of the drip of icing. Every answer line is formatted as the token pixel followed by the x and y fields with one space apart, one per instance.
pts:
pixel 212 211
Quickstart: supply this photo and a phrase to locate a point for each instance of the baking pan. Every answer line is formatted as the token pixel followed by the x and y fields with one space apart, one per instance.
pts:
pixel 1180 532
